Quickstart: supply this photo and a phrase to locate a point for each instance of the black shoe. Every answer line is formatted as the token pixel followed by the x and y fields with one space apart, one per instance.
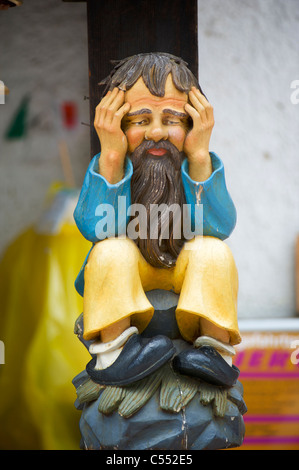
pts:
pixel 207 364
pixel 138 358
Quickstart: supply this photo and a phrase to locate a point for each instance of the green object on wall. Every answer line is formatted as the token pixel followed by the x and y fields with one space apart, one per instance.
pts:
pixel 18 127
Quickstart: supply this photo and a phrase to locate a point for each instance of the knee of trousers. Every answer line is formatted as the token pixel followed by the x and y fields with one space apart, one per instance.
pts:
pixel 113 251
pixel 208 248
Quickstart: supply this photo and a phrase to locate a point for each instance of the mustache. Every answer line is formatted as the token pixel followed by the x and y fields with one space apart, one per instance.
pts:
pixel 172 152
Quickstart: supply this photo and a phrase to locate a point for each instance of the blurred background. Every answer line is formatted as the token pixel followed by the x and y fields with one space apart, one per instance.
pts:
pixel 249 70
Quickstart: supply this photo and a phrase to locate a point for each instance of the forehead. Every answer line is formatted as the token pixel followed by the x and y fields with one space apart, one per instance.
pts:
pixel 139 95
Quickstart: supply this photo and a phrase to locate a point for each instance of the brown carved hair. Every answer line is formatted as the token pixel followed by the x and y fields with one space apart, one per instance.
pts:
pixel 154 68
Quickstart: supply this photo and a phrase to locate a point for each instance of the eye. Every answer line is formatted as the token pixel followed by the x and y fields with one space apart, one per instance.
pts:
pixel 173 121
pixel 136 122
pixel 139 123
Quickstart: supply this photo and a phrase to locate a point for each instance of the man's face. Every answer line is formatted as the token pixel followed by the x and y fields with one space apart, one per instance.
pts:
pixel 156 118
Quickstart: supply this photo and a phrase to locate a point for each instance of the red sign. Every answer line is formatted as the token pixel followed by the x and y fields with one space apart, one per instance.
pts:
pixel 269 365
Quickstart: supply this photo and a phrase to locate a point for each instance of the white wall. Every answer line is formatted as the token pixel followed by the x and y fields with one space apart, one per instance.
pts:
pixel 43 53
pixel 249 56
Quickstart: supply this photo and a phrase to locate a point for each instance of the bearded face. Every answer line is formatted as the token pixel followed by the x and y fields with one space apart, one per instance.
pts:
pixel 156 129
pixel 157 181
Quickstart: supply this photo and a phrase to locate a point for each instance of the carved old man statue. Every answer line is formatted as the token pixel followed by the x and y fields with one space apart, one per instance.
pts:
pixel 154 125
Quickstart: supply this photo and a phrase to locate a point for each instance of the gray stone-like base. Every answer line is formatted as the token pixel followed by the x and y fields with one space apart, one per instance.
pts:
pixel 165 411
pixel 193 428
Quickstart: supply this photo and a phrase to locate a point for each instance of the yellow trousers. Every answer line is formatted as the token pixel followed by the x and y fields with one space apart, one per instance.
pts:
pixel 117 277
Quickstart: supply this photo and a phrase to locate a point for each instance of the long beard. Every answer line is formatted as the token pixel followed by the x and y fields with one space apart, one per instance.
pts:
pixel 157 180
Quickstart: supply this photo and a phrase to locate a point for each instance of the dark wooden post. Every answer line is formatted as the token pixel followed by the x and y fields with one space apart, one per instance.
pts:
pixel 120 28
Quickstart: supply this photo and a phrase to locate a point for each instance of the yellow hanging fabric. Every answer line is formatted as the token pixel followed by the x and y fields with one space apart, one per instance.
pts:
pixel 39 305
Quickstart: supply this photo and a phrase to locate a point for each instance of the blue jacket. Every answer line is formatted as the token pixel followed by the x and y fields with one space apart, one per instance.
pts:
pixel 219 213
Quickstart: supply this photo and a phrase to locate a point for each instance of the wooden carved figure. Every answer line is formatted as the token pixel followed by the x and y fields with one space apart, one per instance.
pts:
pixel 154 203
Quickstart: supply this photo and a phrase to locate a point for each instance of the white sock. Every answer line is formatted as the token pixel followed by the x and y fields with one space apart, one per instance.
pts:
pixel 107 353
pixel 225 350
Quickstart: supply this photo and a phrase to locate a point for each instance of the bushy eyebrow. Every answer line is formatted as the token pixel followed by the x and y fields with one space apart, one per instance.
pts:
pixel 139 111
pixel 165 111
pixel 175 113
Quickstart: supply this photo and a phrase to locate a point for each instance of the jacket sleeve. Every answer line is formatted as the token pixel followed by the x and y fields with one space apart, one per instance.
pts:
pixel 218 216
pixel 99 212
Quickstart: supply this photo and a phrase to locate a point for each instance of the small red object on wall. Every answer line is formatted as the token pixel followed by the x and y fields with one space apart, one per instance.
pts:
pixel 69 114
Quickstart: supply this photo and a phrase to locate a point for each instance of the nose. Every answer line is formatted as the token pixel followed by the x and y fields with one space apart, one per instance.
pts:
pixel 157 132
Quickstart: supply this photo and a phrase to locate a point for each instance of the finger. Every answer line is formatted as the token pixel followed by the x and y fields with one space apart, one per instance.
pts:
pixel 121 112
pixel 203 100
pixel 198 107
pixel 114 105
pixel 116 101
pixel 106 100
pixel 109 96
pixel 102 115
pixel 192 112
pixel 100 107
pixel 200 96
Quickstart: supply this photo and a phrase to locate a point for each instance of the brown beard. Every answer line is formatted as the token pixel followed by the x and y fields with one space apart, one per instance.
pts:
pixel 157 180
